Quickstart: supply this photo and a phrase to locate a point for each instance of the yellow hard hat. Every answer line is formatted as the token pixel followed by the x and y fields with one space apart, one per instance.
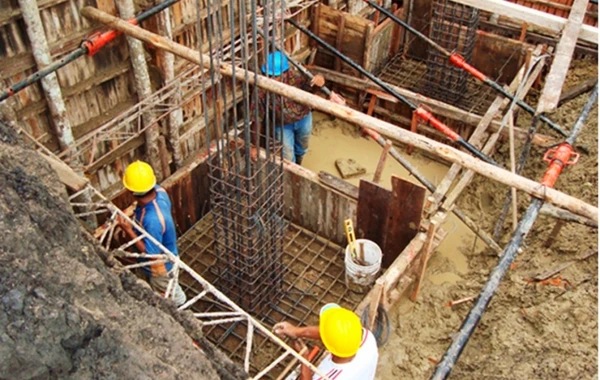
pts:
pixel 340 330
pixel 139 178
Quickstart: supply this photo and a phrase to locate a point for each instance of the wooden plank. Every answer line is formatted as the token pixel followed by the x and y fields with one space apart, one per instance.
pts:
pixel 535 38
pixel 372 213
pixel 66 175
pixel 425 254
pixel 562 59
pixel 542 20
pixel 381 162
pixel 403 218
pixel 338 41
pixel 562 7
pixel 97 78
pixel 14 14
pixel 437 107
pixel 332 14
pixel 95 122
pixel 338 184
pixel 113 155
pixel 368 38
pixel 578 89
pixel 397 32
pixel 393 277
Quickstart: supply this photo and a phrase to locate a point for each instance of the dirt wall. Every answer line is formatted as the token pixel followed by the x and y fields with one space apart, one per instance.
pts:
pixel 63 312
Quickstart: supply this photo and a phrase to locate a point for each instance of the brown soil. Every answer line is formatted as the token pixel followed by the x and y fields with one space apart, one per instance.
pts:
pixel 529 330
pixel 63 312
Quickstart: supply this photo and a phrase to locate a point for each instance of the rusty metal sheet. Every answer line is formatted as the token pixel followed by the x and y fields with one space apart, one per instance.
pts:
pixel 372 212
pixel 403 218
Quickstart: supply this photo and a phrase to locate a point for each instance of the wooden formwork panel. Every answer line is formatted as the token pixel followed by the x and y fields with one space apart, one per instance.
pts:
pixel 352 41
pixel 389 218
pixel 315 207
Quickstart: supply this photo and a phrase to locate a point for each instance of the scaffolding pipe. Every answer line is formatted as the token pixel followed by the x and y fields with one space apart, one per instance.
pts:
pixel 419 111
pixel 89 46
pixel 558 158
pixel 459 61
pixel 503 176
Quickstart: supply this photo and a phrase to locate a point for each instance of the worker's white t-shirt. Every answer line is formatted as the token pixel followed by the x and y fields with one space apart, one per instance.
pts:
pixel 362 366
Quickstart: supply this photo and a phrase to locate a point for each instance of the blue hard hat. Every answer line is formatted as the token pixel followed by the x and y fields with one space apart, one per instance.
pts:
pixel 277 64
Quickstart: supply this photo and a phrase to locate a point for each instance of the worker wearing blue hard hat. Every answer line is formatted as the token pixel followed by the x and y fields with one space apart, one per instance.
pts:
pixel 293 121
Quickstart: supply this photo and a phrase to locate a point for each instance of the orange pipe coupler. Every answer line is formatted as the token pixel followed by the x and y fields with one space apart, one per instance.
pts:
pixel 373 134
pixel 558 158
pixel 428 117
pixel 99 40
pixel 459 61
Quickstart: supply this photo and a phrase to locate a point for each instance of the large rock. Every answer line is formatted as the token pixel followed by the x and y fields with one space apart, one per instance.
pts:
pixel 63 312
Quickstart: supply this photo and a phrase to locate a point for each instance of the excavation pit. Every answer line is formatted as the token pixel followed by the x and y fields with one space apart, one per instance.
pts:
pixel 313 276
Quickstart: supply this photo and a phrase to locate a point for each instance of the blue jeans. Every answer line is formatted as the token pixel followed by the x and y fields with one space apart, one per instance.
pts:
pixel 295 137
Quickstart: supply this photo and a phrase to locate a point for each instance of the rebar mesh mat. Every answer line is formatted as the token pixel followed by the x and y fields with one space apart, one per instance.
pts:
pixel 410 74
pixel 313 276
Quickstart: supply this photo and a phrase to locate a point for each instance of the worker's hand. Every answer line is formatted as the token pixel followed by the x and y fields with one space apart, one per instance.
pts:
pixel 125 225
pixel 336 98
pixel 300 347
pixel 317 80
pixel 253 153
pixel 285 329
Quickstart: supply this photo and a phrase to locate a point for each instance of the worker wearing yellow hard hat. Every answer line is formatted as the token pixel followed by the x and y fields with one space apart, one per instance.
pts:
pixel 153 213
pixel 352 349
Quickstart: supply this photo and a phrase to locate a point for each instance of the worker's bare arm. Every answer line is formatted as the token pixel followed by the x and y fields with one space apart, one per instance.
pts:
pixel 287 329
pixel 128 228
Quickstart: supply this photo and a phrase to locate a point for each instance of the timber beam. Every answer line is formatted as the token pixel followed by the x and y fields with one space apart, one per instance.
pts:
pixel 543 21
pixel 536 189
pixel 437 107
pixel 562 58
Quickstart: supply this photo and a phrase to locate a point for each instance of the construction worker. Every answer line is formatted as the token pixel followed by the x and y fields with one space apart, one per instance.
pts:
pixel 153 213
pixel 352 349
pixel 295 131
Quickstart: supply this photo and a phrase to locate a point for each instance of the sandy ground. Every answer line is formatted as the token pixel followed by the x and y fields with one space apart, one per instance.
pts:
pixel 530 330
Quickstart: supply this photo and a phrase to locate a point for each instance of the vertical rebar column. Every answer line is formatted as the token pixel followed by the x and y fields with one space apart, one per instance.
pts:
pixel 454 27
pixel 246 193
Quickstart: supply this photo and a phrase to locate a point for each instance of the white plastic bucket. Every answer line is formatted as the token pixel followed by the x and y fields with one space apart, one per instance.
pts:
pixel 359 278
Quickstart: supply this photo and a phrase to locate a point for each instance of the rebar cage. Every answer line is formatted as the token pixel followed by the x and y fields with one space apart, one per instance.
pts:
pixel 249 228
pixel 454 27
pixel 247 189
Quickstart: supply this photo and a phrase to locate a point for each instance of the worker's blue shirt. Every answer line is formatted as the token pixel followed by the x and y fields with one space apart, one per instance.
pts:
pixel 156 218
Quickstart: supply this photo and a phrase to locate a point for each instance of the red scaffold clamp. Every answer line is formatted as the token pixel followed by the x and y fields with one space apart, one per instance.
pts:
pixel 558 158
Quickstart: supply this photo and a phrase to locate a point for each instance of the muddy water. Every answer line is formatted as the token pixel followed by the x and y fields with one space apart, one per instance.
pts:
pixel 334 139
